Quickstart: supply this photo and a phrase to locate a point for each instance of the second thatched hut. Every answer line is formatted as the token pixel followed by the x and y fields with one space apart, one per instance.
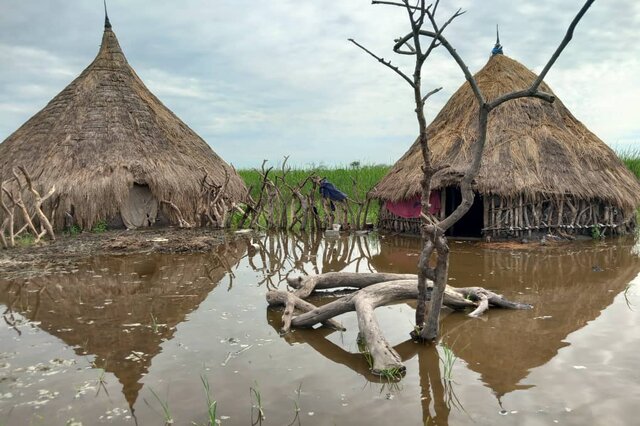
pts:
pixel 542 169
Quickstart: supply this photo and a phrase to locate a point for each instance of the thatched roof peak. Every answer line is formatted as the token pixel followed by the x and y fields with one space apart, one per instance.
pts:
pixel 110 54
pixel 533 147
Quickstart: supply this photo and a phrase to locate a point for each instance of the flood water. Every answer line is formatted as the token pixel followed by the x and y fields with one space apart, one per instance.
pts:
pixel 118 338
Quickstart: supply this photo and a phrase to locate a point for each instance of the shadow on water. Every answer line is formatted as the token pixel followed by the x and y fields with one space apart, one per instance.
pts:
pixel 122 309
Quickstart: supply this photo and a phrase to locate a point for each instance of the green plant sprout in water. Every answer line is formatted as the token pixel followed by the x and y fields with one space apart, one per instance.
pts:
pixel 254 392
pixel 296 405
pixel 102 382
pixel 447 359
pixel 362 348
pixel 389 374
pixel 392 374
pixel 211 405
pixel 168 420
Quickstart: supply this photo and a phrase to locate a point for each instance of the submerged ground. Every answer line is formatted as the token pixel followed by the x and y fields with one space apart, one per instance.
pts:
pixel 120 339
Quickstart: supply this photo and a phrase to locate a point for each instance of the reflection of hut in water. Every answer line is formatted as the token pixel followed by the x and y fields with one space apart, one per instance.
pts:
pixel 114 152
pixel 542 169
pixel 567 289
pixel 120 309
pixel 569 286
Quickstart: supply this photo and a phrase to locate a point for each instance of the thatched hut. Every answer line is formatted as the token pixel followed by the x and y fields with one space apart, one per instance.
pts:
pixel 542 169
pixel 115 153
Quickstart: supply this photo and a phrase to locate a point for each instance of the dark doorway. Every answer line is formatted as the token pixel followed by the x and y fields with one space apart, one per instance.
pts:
pixel 470 226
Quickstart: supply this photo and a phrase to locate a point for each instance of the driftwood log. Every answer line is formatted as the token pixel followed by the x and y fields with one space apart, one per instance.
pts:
pixel 369 292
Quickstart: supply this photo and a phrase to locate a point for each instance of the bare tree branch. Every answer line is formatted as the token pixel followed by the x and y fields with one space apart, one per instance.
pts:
pixel 454 54
pixel 431 93
pixel 565 41
pixel 386 63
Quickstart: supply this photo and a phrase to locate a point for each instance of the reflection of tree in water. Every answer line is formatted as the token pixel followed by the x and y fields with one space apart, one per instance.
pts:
pixel 120 309
pixel 279 255
pixel 435 391
pixel 569 286
pixel 97 309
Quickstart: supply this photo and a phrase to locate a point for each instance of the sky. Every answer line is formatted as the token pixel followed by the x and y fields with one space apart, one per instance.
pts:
pixel 264 79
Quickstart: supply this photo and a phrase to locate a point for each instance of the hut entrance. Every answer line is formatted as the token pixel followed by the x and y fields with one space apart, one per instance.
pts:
pixel 470 226
pixel 140 209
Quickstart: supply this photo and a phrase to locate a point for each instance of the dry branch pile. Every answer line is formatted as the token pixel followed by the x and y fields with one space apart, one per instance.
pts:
pixel 372 290
pixel 21 194
pixel 281 205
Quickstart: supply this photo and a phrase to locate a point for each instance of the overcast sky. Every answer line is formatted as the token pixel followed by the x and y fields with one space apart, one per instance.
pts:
pixel 262 79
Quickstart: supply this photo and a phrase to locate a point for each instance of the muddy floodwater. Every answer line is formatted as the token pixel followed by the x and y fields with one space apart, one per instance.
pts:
pixel 134 339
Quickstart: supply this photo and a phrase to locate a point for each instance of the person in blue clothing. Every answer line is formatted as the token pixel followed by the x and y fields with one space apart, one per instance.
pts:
pixel 333 195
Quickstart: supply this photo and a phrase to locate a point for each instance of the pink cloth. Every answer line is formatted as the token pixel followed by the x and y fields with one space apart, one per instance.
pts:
pixel 434 202
pixel 411 208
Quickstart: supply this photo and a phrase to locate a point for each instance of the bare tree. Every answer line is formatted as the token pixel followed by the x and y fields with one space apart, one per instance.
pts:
pixel 421 16
pixel 369 291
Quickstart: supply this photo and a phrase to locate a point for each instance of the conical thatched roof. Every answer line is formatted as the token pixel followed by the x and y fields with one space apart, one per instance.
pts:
pixel 106 131
pixel 533 147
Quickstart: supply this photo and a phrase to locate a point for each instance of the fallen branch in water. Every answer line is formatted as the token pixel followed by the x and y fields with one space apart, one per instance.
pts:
pixel 371 291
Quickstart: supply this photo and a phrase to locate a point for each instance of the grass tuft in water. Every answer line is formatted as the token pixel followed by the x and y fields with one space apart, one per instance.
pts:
pixel 211 405
pixel 296 405
pixel 448 359
pixel 392 374
pixel 254 393
pixel 362 348
pixel 168 419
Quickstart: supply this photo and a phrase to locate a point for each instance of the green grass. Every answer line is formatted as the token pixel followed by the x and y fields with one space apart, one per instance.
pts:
pixel 343 177
pixel 631 158
pixel 99 227
pixel 25 240
pixel 366 177
pixel 73 230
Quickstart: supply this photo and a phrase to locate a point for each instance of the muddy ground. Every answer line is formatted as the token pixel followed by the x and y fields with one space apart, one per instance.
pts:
pixel 53 256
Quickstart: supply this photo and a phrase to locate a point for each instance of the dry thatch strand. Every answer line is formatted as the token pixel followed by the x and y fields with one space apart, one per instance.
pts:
pixel 105 133
pixel 535 151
